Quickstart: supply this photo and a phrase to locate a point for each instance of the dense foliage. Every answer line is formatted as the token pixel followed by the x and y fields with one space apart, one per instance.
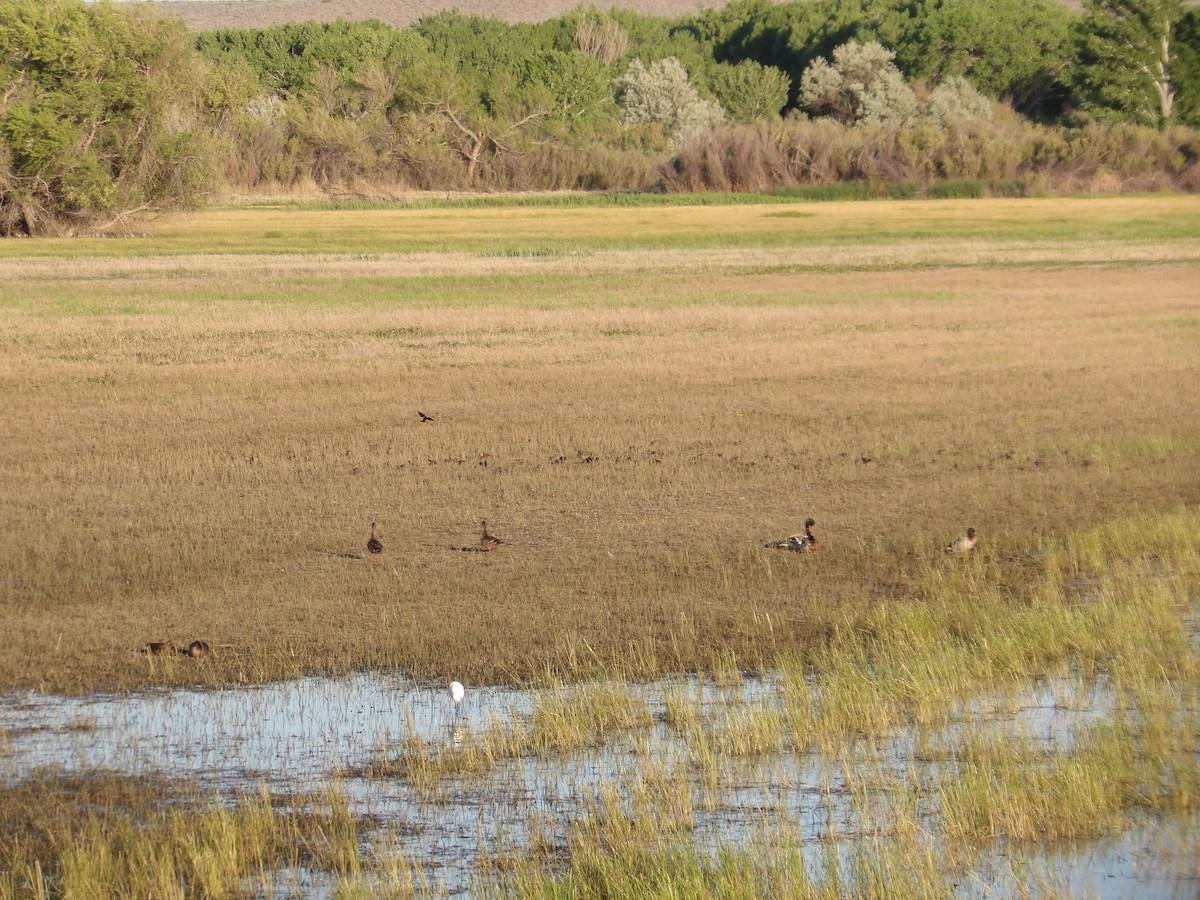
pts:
pixel 107 108
pixel 101 113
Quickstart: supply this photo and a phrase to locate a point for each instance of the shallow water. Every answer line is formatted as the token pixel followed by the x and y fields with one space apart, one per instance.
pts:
pixel 295 736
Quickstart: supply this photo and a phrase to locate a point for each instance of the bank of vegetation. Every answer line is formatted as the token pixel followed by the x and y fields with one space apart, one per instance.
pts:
pixel 109 110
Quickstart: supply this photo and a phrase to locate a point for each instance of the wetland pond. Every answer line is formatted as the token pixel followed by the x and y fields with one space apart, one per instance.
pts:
pixel 304 735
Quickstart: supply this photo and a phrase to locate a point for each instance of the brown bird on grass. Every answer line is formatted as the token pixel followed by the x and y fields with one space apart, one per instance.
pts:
pixel 374 547
pixel 197 649
pixel 158 648
pixel 488 541
pixel 424 418
pixel 799 543
pixel 964 544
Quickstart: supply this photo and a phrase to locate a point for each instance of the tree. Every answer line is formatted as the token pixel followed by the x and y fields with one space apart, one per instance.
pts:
pixel 956 100
pixel 861 85
pixel 1014 49
pixel 1185 69
pixel 662 95
pixel 1124 54
pixel 101 115
pixel 748 91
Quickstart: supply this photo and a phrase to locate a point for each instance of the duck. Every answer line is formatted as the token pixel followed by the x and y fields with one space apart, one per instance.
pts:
pixel 197 649
pixel 964 544
pixel 799 543
pixel 158 648
pixel 374 547
pixel 488 541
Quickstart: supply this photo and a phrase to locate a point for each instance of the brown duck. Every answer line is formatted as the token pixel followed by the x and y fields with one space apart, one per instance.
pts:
pixel 488 541
pixel 374 547
pixel 197 650
pixel 799 543
pixel 964 544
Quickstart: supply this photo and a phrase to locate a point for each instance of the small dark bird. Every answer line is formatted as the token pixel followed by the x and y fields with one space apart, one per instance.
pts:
pixel 799 543
pixel 374 547
pixel 197 650
pixel 488 541
pixel 424 418
pixel 963 544
pixel 158 648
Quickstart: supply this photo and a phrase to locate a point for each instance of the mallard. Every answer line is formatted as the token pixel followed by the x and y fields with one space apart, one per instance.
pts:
pixel 374 547
pixel 964 544
pixel 799 543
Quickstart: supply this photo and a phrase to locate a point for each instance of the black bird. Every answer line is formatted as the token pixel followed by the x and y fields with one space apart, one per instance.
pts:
pixel 424 418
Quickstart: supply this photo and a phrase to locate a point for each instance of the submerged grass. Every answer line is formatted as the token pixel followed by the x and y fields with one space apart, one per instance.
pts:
pixel 116 836
pixel 917 664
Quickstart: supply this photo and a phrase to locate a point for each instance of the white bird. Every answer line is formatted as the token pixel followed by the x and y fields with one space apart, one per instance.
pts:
pixel 457 691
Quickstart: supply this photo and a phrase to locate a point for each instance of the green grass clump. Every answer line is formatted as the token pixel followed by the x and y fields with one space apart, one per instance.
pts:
pixel 1147 759
pixel 103 836
pixel 570 717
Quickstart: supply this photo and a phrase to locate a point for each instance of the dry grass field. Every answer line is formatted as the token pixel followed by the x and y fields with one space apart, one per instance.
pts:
pixel 202 423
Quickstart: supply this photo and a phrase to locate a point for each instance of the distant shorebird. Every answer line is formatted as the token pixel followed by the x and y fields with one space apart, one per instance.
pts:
pixel 964 544
pixel 488 541
pixel 197 650
pixel 799 543
pixel 424 418
pixel 374 547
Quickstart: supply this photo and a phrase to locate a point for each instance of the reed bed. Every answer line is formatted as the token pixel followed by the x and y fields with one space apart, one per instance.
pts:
pixel 108 835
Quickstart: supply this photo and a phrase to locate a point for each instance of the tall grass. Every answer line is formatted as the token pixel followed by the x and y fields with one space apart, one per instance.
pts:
pixel 1009 156
pixel 108 837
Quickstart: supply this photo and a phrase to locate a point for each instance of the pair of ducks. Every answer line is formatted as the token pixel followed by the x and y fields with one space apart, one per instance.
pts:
pixel 196 649
pixel 807 542
pixel 487 541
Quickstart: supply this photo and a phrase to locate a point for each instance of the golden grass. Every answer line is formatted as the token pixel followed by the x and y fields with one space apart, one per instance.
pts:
pixel 104 835
pixel 198 452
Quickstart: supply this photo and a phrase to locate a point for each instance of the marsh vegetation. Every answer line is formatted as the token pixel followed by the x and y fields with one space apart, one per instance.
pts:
pixel 206 421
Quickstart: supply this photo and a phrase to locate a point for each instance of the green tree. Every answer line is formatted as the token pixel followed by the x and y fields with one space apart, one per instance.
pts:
pixel 1125 50
pixel 749 91
pixel 1014 49
pixel 101 115
pixel 491 89
pixel 1185 70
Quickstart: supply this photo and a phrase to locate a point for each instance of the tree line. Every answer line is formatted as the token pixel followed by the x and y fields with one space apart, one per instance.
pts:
pixel 109 109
